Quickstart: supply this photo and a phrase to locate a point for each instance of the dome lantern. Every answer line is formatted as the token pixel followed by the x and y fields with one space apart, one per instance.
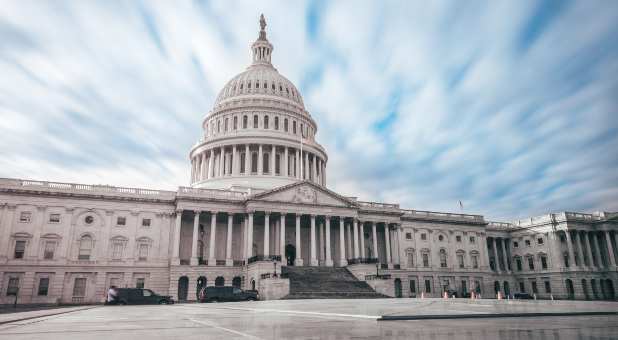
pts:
pixel 262 48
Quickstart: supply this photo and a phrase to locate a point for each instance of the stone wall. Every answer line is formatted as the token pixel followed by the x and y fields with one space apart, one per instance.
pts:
pixel 274 288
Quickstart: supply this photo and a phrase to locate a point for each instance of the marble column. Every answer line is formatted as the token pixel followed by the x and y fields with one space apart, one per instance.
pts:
pixel 504 255
pixel 315 169
pixel 196 224
pixel 321 255
pixel 235 161
pixel 229 261
pixel 612 259
pixel 203 167
pixel 247 168
pixel 212 261
pixel 282 238
pixel 361 234
pixel 250 236
pixel 348 229
pixel 297 165
pixel 355 235
pixel 176 258
pixel 572 263
pixel 588 249
pixel 260 167
pixel 222 162
pixel 496 259
pixel 286 162
pixel 329 259
pixel 210 164
pixel 266 234
pixel 597 249
pixel 374 231
pixel 578 249
pixel 314 260
pixel 273 157
pixel 305 166
pixel 387 238
pixel 299 258
pixel 342 259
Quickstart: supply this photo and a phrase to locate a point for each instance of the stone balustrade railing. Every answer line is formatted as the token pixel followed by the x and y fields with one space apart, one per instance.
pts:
pixel 212 193
pixel 377 205
pixel 499 225
pixel 443 216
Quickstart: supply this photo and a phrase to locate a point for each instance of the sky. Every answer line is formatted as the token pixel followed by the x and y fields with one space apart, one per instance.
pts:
pixel 510 107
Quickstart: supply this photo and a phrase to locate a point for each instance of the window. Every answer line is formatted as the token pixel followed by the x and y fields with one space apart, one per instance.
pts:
pixel 413 286
pixel 408 236
pixel 79 287
pixel 242 162
pixel 544 262
pixel 54 218
pixel 410 259
pixel 88 219
pixel 254 162
pixel 535 290
pixel 278 164
pixel 218 126
pixel 266 122
pixel 539 240
pixel 424 237
pixel 85 248
pixel 460 260
pixel 458 238
pixel 43 286
pixel 440 238
pixel 235 126
pixel 531 262
pixel 146 222
pixel 294 127
pixel 566 259
pixel 248 85
pixel 472 239
pixel 527 242
pixel 425 260
pixel 121 221
pixel 255 121
pixel 475 261
pixel 518 263
pixel 139 283
pixel 143 251
pixel 25 216
pixel 547 287
pixel 225 125
pixel 117 249
pixel 427 286
pixel 244 122
pixel 285 125
pixel 442 258
pixel 515 244
pixel 147 292
pixel 266 163
pixel 276 123
pixel 13 286
pixel 522 288
pixel 20 249
pixel 50 247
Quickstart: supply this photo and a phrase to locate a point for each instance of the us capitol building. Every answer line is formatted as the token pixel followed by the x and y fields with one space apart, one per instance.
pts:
pixel 259 203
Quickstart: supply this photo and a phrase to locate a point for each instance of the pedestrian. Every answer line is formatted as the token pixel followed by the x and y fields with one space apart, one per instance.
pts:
pixel 112 296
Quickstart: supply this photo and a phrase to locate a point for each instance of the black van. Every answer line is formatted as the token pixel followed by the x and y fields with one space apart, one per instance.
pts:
pixel 216 294
pixel 140 296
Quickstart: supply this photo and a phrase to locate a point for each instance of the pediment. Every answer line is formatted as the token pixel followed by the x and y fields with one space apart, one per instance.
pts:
pixel 305 193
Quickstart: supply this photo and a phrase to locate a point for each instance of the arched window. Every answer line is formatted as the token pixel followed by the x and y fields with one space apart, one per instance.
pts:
pixel 242 162
pixel 255 121
pixel 257 84
pixel 460 259
pixel 410 257
pixel 241 85
pixel 220 281
pixel 273 86
pixel 266 162
pixel 244 122
pixel 85 247
pixel 266 122
pixel 276 123
pixel 254 162
pixel 235 122
pixel 237 281
pixel 248 85
pixel 218 126
pixel 442 258
pixel 440 238
pixel 285 125
pixel 225 126
pixel 294 127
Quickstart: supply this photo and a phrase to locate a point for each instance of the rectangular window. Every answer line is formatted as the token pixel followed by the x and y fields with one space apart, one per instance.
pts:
pixel 472 239
pixel 539 240
pixel 143 252
pixel 20 249
pixel 547 287
pixel 43 286
pixel 25 216
pixel 410 260
pixel 117 250
pixel 477 286
pixel 425 260
pixel 427 286
pixel 79 287
pixel 544 262
pixel 475 261
pixel 518 263
pixel 13 286
pixel 534 287
pixel 413 286
pixel 531 263
pixel 146 222
pixel 460 260
pixel 139 283
pixel 54 218
pixel 527 243
pixel 255 122
pixel 424 237
pixel 521 287
pixel 515 244
pixel 464 286
pixel 458 238
pixel 408 236
pixel 50 247
pixel 121 221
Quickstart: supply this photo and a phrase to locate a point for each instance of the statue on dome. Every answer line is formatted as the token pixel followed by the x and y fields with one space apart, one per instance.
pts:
pixel 262 22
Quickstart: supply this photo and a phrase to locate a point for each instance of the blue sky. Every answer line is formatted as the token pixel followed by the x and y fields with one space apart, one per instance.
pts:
pixel 508 106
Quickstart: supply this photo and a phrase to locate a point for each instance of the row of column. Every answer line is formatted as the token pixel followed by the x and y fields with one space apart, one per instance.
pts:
pixel 218 162
pixel 580 246
pixel 505 265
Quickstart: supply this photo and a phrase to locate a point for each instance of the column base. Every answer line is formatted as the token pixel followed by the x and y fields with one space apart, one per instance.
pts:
pixel 343 263
pixel 229 262
pixel 175 261
pixel 298 262
pixel 391 266
pixel 314 262
pixel 194 261
pixel 212 262
pixel 329 263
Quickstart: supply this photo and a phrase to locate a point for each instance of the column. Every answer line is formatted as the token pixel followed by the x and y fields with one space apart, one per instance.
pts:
pixel 348 229
pixel 247 160
pixel 387 237
pixel 286 163
pixel 314 260
pixel 321 254
pixel 315 169
pixel 504 255
pixel 342 259
pixel 260 167
pixel 305 173
pixel 323 173
pixel 250 237
pixel 496 259
pixel 229 261
pixel 329 259
pixel 612 259
pixel 210 164
pixel 299 258
pixel 196 225
pixel 266 234
pixel 361 232
pixel 272 160
pixel 235 161
pixel 588 249
pixel 578 249
pixel 374 231
pixel 570 247
pixel 212 261
pixel 597 249
pixel 203 167
pixel 222 162
pixel 297 164
pixel 282 238
pixel 176 258
pixel 398 244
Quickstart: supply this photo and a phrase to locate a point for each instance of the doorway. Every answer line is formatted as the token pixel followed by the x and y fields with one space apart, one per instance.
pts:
pixel 398 288
pixel 290 254
pixel 183 288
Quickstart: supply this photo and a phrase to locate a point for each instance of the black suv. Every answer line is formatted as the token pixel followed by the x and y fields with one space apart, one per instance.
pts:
pixel 216 294
pixel 140 296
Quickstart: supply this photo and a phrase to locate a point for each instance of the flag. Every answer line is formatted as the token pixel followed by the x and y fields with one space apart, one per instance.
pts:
pixel 460 205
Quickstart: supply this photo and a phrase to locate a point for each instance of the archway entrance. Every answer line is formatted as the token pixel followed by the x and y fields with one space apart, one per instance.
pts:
pixel 570 289
pixel 252 284
pixel 507 290
pixel 397 288
pixel 201 283
pixel 183 288
pixel 496 287
pixel 236 282
pixel 219 281
pixel 290 254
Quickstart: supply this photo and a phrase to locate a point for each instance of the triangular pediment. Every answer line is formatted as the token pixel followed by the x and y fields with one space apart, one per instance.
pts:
pixel 305 193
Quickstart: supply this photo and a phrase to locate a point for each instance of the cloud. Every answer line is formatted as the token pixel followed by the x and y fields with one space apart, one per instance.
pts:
pixel 509 106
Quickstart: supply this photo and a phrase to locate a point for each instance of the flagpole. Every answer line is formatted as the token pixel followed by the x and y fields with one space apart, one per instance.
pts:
pixel 302 174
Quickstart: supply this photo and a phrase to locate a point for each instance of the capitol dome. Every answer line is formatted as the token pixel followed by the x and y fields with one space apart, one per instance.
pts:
pixel 258 134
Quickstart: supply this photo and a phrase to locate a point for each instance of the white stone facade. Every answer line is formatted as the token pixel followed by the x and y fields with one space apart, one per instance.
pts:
pixel 258 194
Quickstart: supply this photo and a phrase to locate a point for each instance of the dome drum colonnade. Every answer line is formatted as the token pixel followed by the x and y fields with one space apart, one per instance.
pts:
pixel 259 134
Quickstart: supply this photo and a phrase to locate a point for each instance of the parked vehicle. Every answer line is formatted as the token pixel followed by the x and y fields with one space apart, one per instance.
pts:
pixel 216 294
pixel 523 296
pixel 140 296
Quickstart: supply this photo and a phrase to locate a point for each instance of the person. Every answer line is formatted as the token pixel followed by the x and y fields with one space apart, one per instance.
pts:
pixel 112 296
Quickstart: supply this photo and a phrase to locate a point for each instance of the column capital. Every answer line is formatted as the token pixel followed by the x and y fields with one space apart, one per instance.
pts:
pixel 178 211
pixel 214 212
pixel 197 212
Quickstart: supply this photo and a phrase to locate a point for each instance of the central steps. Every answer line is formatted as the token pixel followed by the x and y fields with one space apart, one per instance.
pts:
pixel 326 283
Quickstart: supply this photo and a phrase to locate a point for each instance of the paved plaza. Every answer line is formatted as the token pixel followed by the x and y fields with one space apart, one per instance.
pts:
pixel 324 319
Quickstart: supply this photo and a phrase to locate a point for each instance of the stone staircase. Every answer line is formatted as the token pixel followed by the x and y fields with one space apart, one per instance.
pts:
pixel 326 283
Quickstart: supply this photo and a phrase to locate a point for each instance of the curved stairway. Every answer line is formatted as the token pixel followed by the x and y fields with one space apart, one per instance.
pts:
pixel 326 283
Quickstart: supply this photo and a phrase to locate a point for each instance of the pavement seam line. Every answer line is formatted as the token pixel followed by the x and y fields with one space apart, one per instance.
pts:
pixel 47 315
pixel 225 329
pixel 359 316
